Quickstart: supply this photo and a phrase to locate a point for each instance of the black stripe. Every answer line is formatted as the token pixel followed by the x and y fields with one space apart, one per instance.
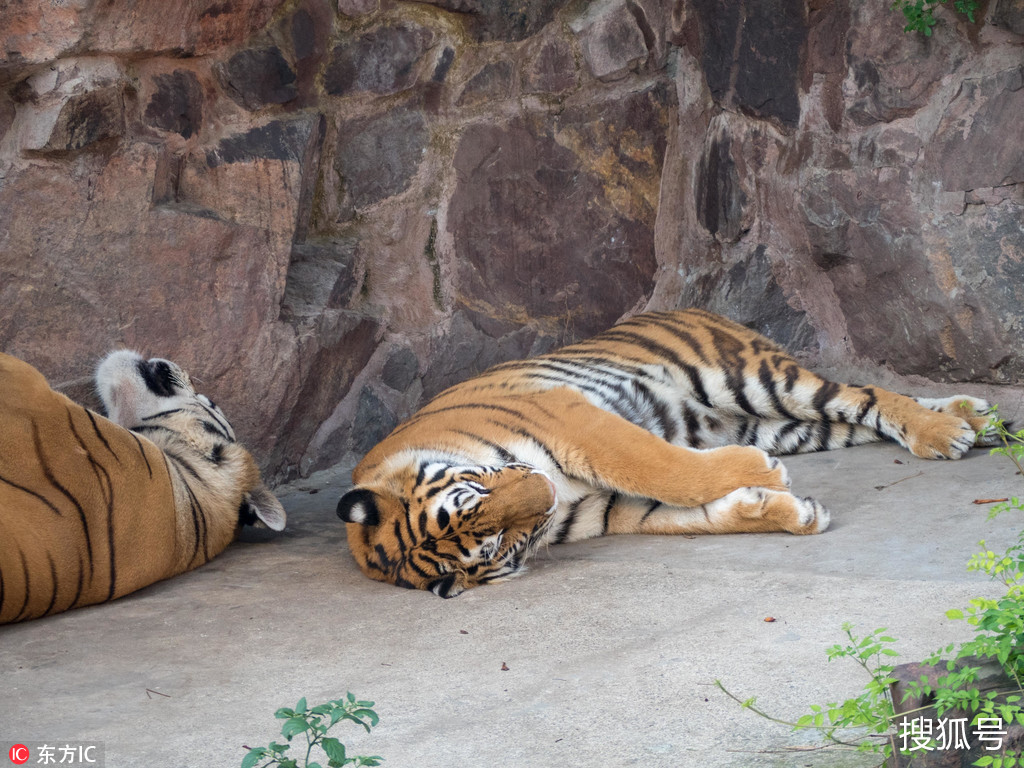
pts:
pixel 410 562
pixel 107 490
pixel 670 323
pixel 692 426
pixel 53 577
pixel 612 498
pixel 567 523
pixel 823 396
pixel 427 411
pixel 96 429
pixel 852 433
pixel 824 434
pixel 503 454
pixel 30 492
pixel 180 461
pixel 142 450
pixel 143 428
pixel 194 505
pixel 81 583
pixel 222 422
pixel 540 444
pixel 168 412
pixel 789 426
pixel 730 352
pixel 28 586
pixel 44 465
pixel 768 382
pixel 869 403
pixel 385 563
pixel 661 414
pixel 665 353
pixel 792 373
pixel 654 504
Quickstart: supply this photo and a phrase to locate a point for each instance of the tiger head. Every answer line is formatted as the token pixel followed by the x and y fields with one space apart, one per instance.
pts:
pixel 155 398
pixel 446 528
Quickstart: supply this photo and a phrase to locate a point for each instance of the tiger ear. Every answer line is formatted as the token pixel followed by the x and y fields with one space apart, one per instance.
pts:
pixel 359 506
pixel 261 505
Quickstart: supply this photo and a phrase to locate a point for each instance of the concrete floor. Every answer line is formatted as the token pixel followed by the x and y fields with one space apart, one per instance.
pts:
pixel 604 653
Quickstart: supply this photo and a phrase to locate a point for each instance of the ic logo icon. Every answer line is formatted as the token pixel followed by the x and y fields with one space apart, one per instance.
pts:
pixel 19 754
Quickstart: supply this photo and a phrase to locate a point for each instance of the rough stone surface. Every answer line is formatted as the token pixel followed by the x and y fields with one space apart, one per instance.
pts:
pixel 330 210
pixel 611 40
pixel 258 78
pixel 553 69
pixel 589 243
pixel 377 158
pixel 506 21
pixel 177 104
pixel 382 62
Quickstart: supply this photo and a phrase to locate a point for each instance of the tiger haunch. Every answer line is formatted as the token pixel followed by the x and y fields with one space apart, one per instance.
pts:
pixel 662 424
pixel 94 508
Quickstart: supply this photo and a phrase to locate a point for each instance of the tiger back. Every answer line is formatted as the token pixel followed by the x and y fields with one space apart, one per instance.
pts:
pixel 89 510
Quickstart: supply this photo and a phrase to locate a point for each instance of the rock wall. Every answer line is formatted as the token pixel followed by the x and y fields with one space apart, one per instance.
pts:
pixel 329 210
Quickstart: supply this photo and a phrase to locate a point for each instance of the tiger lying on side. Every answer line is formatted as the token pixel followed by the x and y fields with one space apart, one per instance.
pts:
pixel 90 511
pixel 662 424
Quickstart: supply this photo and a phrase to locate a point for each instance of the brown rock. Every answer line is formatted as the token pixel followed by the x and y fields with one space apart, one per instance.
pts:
pixel 611 40
pixel 581 240
pixel 552 69
pixel 382 61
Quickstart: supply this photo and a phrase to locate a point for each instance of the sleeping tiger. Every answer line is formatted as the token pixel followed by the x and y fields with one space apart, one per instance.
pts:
pixel 90 511
pixel 662 424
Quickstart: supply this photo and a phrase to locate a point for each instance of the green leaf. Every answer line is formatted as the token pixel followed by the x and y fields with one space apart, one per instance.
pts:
pixel 369 714
pixel 294 726
pixel 954 613
pixel 301 706
pixel 334 749
pixel 253 756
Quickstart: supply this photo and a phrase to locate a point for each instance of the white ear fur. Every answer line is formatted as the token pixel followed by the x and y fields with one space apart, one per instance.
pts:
pixel 267 508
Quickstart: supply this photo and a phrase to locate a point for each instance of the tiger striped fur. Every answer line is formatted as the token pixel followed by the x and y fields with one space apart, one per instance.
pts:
pixel 662 424
pixel 90 511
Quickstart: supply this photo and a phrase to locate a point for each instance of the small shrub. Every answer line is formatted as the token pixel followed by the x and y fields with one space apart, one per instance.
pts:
pixel 920 14
pixel 314 723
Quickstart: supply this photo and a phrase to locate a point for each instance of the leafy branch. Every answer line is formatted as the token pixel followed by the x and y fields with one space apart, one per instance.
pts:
pixel 920 14
pixel 314 723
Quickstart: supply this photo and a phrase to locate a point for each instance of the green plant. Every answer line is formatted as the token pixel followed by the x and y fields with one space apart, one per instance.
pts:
pixel 920 14
pixel 871 714
pixel 314 723
pixel 1000 637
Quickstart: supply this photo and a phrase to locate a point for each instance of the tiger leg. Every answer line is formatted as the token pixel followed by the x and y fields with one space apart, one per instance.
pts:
pixel 746 510
pixel 610 452
pixel 846 415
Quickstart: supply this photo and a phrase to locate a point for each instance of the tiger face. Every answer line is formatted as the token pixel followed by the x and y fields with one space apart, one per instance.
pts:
pixel 448 528
pixel 156 398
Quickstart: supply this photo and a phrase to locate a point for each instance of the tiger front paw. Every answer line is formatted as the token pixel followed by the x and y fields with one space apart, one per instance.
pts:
pixel 942 436
pixel 978 413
